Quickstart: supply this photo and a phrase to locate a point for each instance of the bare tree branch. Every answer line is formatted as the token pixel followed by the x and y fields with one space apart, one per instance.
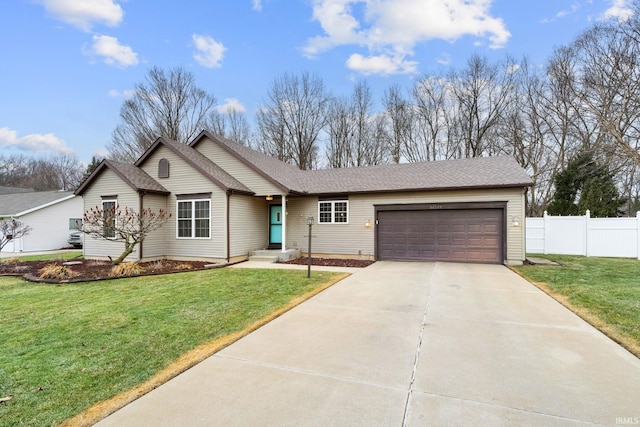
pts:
pixel 12 230
pixel 126 226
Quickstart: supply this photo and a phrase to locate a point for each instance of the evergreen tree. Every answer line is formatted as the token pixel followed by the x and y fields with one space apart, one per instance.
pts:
pixel 93 164
pixel 585 184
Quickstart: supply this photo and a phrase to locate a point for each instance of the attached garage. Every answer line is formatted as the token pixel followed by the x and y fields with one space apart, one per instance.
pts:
pixel 459 232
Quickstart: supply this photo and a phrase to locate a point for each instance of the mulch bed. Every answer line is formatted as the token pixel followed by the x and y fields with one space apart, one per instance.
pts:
pixel 331 262
pixel 89 270
pixel 92 270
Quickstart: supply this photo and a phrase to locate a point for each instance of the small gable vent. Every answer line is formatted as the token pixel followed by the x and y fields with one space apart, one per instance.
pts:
pixel 163 168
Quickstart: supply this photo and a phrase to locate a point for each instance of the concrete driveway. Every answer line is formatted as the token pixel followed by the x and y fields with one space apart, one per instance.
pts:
pixel 408 344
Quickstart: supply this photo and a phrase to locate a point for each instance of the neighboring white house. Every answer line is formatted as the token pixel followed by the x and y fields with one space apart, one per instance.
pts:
pixel 50 214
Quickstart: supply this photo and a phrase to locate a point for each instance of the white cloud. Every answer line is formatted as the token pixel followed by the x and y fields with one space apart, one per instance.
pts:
pixel 380 64
pixel 619 10
pixel 84 13
pixel 231 104
pixel 113 52
pixel 209 52
pixel 126 94
pixel 392 28
pixel 34 142
pixel 257 5
pixel 101 153
pixel 444 59
pixel 565 12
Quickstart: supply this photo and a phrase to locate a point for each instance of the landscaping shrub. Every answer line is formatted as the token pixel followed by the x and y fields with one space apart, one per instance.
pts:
pixel 156 265
pixel 57 272
pixel 126 269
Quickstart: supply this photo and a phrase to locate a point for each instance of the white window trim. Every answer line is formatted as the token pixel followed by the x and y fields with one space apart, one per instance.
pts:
pixel 333 212
pixel 193 219
pixel 115 219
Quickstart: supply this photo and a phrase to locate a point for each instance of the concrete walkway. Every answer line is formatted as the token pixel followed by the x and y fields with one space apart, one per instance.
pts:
pixel 408 344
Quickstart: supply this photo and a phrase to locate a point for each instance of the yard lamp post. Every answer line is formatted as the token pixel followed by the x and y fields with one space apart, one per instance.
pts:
pixel 310 224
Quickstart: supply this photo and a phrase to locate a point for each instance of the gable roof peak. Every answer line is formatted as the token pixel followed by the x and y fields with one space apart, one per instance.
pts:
pixel 132 175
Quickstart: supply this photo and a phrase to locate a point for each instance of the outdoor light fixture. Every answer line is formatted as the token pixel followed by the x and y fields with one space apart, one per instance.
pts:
pixel 269 197
pixel 515 221
pixel 367 223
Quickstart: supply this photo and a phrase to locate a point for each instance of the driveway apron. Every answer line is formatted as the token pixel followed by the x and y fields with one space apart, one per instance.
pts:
pixel 408 344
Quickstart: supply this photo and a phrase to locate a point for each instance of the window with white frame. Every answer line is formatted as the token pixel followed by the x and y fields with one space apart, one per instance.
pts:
pixel 194 217
pixel 333 211
pixel 109 207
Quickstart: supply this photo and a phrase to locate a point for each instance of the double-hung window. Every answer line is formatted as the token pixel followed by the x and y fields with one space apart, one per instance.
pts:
pixel 194 216
pixel 109 208
pixel 333 211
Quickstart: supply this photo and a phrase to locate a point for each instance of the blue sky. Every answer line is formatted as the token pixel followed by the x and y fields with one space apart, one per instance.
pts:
pixel 67 65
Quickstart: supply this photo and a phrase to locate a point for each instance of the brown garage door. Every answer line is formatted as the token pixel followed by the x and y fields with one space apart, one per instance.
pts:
pixel 464 235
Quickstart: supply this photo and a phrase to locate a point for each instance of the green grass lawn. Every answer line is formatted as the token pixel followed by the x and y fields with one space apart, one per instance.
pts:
pixel 45 257
pixel 65 348
pixel 605 291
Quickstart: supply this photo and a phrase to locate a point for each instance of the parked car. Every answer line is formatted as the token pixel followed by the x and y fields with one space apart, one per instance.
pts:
pixel 76 239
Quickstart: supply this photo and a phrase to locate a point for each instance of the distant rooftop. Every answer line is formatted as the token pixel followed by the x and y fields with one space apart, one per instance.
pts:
pixel 14 190
pixel 16 204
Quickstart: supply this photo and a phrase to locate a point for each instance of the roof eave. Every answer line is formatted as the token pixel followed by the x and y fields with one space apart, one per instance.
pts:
pixel 88 180
pixel 147 191
pixel 107 164
pixel 420 189
pixel 149 151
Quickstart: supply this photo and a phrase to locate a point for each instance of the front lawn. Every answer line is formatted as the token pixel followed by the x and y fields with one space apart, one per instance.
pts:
pixel 65 348
pixel 44 257
pixel 604 291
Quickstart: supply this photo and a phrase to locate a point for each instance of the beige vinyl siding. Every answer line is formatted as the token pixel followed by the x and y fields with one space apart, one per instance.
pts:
pixel 234 167
pixel 355 239
pixel 154 246
pixel 184 179
pixel 108 184
pixel 249 224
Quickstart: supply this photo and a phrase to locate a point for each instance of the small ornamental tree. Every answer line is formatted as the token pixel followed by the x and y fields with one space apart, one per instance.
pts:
pixel 11 230
pixel 127 226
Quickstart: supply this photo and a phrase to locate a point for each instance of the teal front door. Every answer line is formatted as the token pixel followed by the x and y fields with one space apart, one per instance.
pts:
pixel 275 226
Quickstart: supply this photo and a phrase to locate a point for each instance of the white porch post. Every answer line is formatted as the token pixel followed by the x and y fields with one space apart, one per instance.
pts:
pixel 284 223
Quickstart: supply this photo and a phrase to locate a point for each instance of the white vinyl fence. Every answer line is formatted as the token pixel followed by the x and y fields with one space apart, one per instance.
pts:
pixel 583 235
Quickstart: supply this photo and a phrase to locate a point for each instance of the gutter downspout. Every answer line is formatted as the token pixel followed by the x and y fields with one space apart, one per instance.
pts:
pixel 141 198
pixel 228 226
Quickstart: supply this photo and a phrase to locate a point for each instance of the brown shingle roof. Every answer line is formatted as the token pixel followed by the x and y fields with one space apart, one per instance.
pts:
pixel 481 172
pixel 133 176
pixel 137 178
